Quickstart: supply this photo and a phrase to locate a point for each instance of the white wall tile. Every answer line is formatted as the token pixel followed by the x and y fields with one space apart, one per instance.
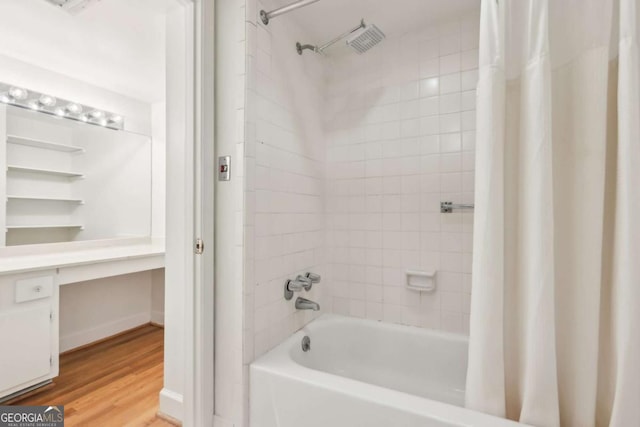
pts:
pixel 287 170
pixel 449 83
pixel 429 67
pixel 469 79
pixel 429 106
pixel 450 64
pixel 397 143
pixel 450 103
pixel 450 44
pixel 469 59
pixel 429 87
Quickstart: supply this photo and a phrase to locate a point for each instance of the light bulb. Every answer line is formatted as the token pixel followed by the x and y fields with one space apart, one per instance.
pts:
pixel 102 122
pixel 84 118
pixel 6 98
pixel 96 114
pixel 60 112
pixel 115 119
pixel 74 108
pixel 34 105
pixel 47 100
pixel 18 93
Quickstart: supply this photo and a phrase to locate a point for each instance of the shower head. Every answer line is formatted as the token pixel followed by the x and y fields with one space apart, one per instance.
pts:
pixel 365 38
pixel 361 39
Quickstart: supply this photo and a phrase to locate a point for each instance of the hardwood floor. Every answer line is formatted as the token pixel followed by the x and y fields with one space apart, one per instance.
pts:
pixel 112 383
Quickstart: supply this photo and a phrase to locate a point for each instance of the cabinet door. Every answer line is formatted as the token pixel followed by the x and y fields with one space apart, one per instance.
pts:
pixel 25 353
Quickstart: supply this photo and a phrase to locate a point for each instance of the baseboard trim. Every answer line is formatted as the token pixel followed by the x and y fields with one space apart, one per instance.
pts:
pixel 171 404
pixel 168 419
pixel 26 393
pixel 107 330
pixel 110 337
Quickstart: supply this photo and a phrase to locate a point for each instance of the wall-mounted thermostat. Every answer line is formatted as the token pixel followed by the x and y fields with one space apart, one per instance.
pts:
pixel 224 166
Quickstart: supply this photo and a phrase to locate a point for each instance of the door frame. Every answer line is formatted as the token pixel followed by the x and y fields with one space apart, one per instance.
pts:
pixel 196 168
pixel 199 305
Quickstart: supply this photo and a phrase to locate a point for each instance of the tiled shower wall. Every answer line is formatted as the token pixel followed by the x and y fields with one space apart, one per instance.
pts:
pixel 346 159
pixel 284 192
pixel 399 126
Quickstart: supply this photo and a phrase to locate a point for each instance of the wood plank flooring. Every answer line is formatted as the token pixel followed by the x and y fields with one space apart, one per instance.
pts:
pixel 112 383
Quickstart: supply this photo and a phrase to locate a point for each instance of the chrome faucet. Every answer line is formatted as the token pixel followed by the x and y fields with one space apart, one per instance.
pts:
pixel 315 278
pixel 305 304
pixel 305 281
pixel 297 285
pixel 311 278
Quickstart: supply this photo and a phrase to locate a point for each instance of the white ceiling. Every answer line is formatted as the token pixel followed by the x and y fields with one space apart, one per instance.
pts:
pixel 115 44
pixel 327 19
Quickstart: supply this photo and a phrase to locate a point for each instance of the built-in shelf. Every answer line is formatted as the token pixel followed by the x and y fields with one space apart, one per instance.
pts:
pixel 14 139
pixel 67 174
pixel 46 199
pixel 36 226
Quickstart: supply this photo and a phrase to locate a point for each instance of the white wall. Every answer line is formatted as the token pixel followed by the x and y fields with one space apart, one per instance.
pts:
pixel 158 200
pixel 157 296
pixel 96 309
pixel 159 168
pixel 400 123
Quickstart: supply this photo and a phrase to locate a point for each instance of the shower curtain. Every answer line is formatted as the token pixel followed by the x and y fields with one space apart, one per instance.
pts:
pixel 555 311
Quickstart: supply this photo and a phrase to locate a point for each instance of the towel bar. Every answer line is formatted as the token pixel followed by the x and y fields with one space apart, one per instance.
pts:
pixel 448 207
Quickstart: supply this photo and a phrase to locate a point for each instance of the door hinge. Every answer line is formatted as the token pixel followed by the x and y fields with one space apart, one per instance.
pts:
pixel 50 360
pixel 51 316
pixel 199 249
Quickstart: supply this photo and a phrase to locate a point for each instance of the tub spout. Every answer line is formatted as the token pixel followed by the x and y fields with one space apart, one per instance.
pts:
pixel 305 304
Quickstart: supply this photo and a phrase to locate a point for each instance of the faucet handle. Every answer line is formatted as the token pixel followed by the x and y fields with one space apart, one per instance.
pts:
pixel 297 285
pixel 305 281
pixel 294 285
pixel 315 278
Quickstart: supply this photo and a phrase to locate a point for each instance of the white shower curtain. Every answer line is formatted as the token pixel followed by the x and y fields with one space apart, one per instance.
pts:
pixel 555 311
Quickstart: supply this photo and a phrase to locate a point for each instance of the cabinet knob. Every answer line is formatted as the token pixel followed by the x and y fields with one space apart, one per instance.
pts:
pixel 38 288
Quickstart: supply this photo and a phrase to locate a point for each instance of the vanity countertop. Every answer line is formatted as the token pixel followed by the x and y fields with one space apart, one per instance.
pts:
pixel 70 256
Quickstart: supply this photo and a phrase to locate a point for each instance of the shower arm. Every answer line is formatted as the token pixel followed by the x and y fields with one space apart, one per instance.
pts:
pixel 340 37
pixel 319 49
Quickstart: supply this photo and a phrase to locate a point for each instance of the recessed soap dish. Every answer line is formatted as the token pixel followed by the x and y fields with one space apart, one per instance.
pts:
pixel 423 281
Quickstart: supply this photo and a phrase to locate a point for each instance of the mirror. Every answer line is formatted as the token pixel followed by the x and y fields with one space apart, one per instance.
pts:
pixel 68 181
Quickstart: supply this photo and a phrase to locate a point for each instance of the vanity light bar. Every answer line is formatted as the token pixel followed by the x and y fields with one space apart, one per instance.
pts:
pixel 29 99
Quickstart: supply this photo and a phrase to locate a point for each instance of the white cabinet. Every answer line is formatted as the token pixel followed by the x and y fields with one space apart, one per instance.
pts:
pixel 28 330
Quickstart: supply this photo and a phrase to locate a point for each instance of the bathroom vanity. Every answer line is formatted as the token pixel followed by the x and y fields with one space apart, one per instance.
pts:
pixel 77 207
pixel 29 299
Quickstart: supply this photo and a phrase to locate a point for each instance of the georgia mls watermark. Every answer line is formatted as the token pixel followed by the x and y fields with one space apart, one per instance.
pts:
pixel 32 416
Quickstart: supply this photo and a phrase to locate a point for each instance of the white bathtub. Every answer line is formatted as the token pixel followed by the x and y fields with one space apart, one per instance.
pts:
pixel 362 373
